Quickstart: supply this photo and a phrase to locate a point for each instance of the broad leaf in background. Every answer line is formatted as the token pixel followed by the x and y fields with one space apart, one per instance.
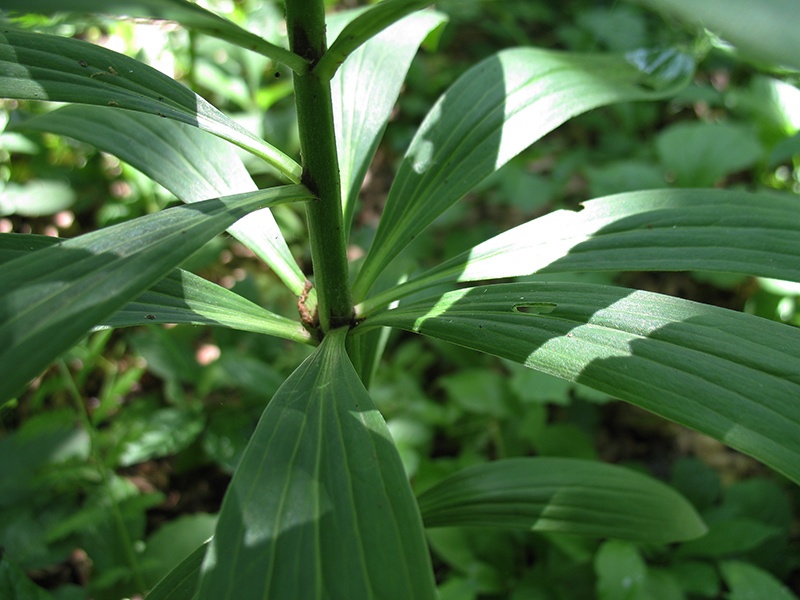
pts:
pixel 562 495
pixel 702 366
pixel 319 506
pixel 181 582
pixel 15 585
pixel 364 92
pixel 35 66
pixel 494 111
pixel 188 162
pixel 700 154
pixel 49 299
pixel 181 297
pixel 364 27
pixel 185 13
pixel 766 31
pixel 747 581
pixel 653 230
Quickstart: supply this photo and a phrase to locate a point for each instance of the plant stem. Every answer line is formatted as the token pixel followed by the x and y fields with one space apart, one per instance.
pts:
pixel 305 20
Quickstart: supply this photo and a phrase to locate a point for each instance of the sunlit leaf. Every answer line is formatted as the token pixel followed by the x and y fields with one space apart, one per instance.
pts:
pixel 35 66
pixel 364 27
pixel 768 33
pixel 50 298
pixel 493 112
pixel 729 375
pixel 319 506
pixel 185 13
pixel 653 230
pixel 364 92
pixel 188 162
pixel 561 495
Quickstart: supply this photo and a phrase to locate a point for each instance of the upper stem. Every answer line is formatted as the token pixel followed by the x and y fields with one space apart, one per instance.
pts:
pixel 305 20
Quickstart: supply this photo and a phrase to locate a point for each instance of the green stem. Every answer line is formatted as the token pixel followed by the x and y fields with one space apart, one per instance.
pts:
pixel 119 520
pixel 305 20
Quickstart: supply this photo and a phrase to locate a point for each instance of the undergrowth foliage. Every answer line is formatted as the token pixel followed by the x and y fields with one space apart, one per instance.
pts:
pixel 320 505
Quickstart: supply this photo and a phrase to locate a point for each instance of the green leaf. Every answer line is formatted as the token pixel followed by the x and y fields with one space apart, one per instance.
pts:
pixel 768 34
pixel 749 582
pixel 175 540
pixel 729 537
pixel 35 66
pixel 365 26
pixel 319 506
pixel 181 297
pixel 660 230
pixel 181 582
pixel 732 376
pixel 185 13
pixel 49 299
pixel 621 572
pixel 494 111
pixel 189 163
pixel 15 585
pixel 699 154
pixel 35 198
pixel 562 495
pixel 364 92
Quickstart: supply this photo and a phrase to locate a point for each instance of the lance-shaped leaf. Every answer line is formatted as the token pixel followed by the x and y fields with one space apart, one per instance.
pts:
pixel 188 162
pixel 768 34
pixel 181 297
pixel 730 375
pixel 35 66
pixel 365 26
pixel 319 506
pixel 562 495
pixel 50 298
pixel 653 230
pixel 493 112
pixel 364 91
pixel 181 582
pixel 185 13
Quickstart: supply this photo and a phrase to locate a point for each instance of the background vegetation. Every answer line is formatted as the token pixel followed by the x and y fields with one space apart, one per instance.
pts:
pixel 104 505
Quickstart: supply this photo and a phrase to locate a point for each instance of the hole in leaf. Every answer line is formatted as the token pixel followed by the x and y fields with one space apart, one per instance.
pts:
pixel 535 308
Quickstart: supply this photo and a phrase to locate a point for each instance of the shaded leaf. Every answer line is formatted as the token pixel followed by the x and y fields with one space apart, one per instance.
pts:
pixel 749 582
pixel 364 92
pixel 729 375
pixel 653 230
pixel 187 14
pixel 364 27
pixel 319 506
pixel 562 495
pixel 49 299
pixel 35 66
pixel 494 111
pixel 181 582
pixel 189 163
pixel 15 585
pixel 699 154
pixel 181 297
